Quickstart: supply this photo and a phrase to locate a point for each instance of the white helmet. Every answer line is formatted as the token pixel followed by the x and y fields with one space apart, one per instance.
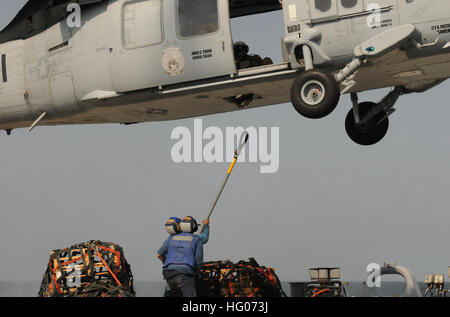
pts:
pixel 173 225
pixel 188 224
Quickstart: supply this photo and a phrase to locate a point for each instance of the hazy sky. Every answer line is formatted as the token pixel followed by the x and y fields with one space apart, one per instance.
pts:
pixel 332 202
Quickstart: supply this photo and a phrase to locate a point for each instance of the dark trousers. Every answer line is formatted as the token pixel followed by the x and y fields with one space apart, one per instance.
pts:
pixel 182 284
pixel 201 287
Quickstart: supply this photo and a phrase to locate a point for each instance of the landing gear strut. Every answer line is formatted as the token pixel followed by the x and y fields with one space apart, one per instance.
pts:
pixel 315 93
pixel 367 123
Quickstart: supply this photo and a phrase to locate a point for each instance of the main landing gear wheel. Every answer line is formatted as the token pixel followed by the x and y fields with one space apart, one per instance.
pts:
pixel 315 93
pixel 368 133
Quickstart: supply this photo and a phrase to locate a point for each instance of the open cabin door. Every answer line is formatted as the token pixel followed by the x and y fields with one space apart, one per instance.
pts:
pixel 162 42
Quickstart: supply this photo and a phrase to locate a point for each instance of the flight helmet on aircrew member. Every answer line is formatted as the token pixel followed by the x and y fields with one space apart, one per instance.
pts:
pixel 173 225
pixel 188 224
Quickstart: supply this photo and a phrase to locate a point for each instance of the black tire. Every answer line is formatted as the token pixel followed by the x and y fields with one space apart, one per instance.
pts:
pixel 328 101
pixel 369 133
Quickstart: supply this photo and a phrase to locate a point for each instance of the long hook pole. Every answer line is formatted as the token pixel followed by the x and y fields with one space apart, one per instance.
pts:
pixel 243 140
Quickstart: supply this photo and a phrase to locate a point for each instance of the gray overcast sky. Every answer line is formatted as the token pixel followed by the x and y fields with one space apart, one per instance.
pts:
pixel 331 202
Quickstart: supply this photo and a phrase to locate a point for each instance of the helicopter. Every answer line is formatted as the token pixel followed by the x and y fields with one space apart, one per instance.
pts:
pixel 134 61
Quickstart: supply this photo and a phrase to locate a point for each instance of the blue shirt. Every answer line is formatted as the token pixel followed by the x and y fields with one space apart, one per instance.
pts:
pixel 184 269
pixel 203 236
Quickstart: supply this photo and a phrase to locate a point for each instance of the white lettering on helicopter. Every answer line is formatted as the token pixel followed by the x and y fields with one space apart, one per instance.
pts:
pixel 190 147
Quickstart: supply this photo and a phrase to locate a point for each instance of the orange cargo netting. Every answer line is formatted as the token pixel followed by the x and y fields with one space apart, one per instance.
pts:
pixel 242 279
pixel 93 268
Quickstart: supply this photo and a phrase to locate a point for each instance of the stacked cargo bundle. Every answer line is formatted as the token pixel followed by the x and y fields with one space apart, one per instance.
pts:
pixel 91 269
pixel 242 279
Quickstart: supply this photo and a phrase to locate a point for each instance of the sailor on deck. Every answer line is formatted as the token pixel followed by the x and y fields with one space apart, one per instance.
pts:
pixel 182 255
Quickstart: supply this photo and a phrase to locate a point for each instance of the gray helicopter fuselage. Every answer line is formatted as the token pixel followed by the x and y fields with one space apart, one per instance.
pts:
pixel 337 31
pixel 148 60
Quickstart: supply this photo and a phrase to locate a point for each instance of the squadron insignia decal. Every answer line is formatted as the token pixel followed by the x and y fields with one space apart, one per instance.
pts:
pixel 173 61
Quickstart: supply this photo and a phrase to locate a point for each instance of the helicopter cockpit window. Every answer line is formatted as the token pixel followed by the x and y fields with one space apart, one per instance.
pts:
pixel 323 5
pixel 349 3
pixel 142 23
pixel 197 17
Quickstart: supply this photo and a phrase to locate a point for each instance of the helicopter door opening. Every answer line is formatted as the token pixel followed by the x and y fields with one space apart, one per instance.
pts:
pixel 257 45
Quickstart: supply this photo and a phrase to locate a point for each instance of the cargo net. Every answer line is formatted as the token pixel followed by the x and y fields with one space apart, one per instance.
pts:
pixel 91 269
pixel 242 279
